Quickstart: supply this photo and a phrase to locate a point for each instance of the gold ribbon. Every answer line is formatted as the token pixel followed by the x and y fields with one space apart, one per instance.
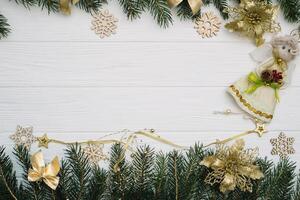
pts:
pixel 195 5
pixel 48 173
pixel 65 6
pixel 257 82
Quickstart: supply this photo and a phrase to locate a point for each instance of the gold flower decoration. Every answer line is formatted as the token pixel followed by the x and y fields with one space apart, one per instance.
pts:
pixel 233 167
pixel 254 18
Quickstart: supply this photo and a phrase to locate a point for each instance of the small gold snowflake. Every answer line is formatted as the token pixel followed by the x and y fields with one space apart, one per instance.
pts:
pixel 94 153
pixel 104 24
pixel 23 136
pixel 208 25
pixel 282 146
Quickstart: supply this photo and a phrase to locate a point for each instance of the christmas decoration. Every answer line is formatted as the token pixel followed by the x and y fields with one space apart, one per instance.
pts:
pixel 208 25
pixel 23 136
pixel 146 175
pixel 233 167
pixel 94 153
pixel 65 5
pixel 195 5
pixel 254 18
pixel 4 27
pixel 283 145
pixel 159 9
pixel 41 172
pixel 258 93
pixel 104 24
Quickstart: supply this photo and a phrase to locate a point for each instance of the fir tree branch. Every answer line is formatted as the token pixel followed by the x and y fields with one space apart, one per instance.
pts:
pixel 296 194
pixel 131 8
pixel 50 5
pixel 160 176
pixel 161 12
pixel 90 5
pixel 142 171
pixel 78 165
pixel 4 27
pixel 221 5
pixel 7 177
pixel 278 183
pixel 290 9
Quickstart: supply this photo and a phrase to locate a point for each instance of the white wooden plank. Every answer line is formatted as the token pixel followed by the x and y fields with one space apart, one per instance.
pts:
pixel 36 25
pixel 125 64
pixel 113 109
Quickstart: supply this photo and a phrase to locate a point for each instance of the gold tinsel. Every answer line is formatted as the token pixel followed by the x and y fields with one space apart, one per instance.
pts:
pixel 254 18
pixel 232 167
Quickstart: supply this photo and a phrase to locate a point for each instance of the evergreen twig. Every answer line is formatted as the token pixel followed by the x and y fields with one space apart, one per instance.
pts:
pixel 290 9
pixel 4 27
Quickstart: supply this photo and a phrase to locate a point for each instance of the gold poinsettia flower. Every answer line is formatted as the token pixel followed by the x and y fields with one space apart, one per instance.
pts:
pixel 254 18
pixel 233 167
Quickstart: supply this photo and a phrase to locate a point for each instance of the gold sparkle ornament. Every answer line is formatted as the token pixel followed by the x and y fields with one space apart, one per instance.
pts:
pixel 283 145
pixel 253 18
pixel 104 24
pixel 208 25
pixel 233 167
pixel 23 136
pixel 94 152
pixel 43 141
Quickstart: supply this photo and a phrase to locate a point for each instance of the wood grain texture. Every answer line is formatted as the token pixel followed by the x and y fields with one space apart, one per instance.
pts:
pixel 58 76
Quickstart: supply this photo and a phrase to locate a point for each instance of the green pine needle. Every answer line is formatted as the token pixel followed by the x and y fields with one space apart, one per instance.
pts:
pixel 4 27
pixel 161 12
pixel 290 9
pixel 131 8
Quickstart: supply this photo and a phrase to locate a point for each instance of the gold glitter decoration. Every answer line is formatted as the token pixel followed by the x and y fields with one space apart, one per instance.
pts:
pixel 248 105
pixel 208 25
pixel 23 136
pixel 104 24
pixel 283 145
pixel 94 152
pixel 43 141
pixel 233 167
pixel 254 18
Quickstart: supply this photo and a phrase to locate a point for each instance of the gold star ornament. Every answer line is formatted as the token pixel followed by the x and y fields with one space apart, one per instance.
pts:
pixel 43 141
pixel 283 145
pixel 233 167
pixel 253 18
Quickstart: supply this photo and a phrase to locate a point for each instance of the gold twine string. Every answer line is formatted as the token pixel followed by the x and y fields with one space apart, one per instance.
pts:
pixel 260 129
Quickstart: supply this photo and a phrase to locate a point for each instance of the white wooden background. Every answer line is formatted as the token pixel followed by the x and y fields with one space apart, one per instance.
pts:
pixel 59 77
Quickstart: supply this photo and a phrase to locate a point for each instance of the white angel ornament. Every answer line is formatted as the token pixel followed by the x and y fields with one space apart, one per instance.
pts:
pixel 258 93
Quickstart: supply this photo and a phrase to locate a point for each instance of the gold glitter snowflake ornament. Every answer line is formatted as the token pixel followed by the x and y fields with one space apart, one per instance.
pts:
pixel 94 153
pixel 104 24
pixel 23 136
pixel 282 146
pixel 208 25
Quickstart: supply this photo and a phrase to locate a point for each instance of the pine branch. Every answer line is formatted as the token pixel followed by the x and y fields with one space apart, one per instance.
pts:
pixel 8 181
pixel 4 27
pixel 296 194
pixel 290 9
pixel 160 176
pixel 161 12
pixel 221 5
pixel 78 173
pixel 175 175
pixel 142 171
pixel 26 3
pixel 131 8
pixel 90 5
pixel 278 183
pixel 119 173
pixel 50 5
pixel 97 184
